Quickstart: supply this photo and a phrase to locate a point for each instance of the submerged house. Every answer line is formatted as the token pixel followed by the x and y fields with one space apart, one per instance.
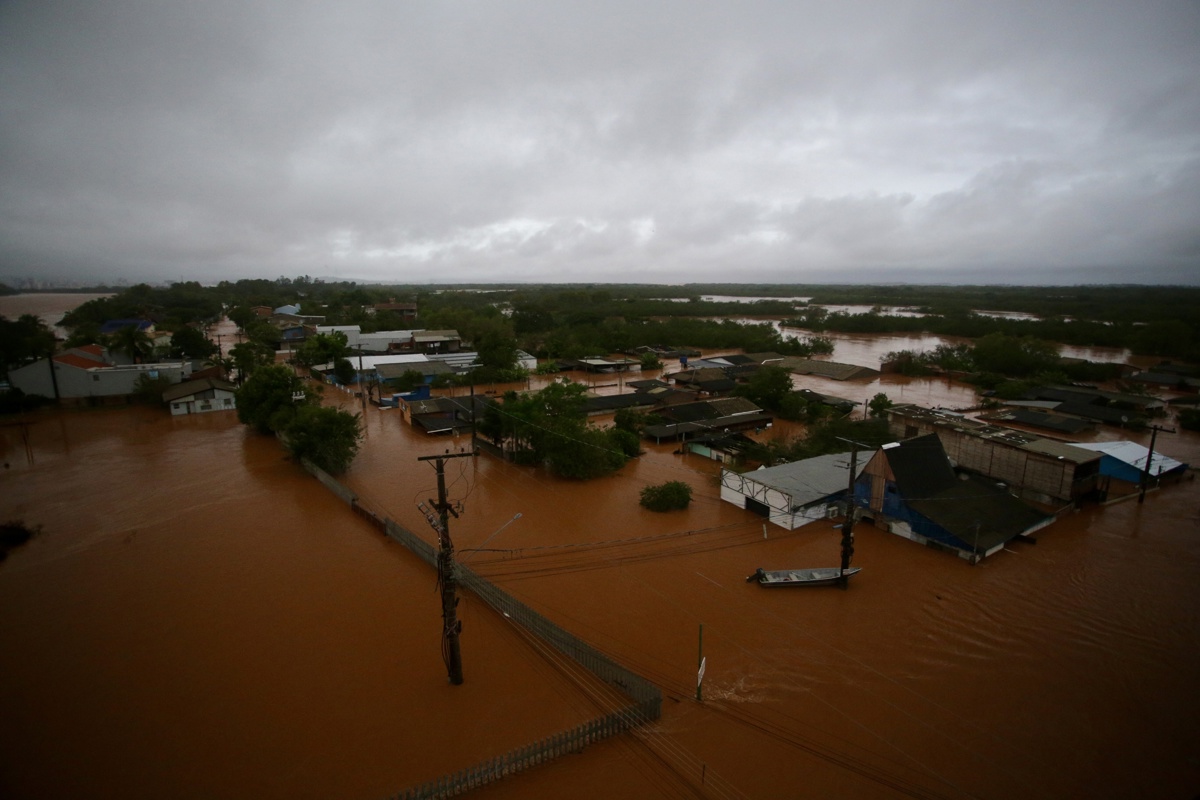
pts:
pixel 453 415
pixel 715 415
pixel 1125 463
pixel 795 494
pixel 1036 468
pixel 910 489
pixel 88 374
pixel 200 396
pixel 827 369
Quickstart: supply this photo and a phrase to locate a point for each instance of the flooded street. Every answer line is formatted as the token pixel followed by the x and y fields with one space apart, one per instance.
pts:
pixel 201 618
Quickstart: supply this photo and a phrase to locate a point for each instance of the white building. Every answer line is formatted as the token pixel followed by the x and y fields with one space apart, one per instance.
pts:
pixel 88 372
pixel 795 494
pixel 200 396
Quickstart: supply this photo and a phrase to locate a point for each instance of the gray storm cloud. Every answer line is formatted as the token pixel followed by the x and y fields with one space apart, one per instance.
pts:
pixel 472 141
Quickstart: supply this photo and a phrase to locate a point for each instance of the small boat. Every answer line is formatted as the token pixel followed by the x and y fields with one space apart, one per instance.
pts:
pixel 820 576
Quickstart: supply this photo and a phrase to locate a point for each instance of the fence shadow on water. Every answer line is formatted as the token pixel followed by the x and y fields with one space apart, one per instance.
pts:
pixel 645 699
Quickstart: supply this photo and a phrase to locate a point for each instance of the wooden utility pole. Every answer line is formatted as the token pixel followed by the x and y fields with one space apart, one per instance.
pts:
pixel 1154 429
pixel 848 527
pixel 447 581
pixel 361 382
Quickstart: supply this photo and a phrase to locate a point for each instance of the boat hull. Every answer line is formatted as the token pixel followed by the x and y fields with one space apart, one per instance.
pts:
pixel 820 576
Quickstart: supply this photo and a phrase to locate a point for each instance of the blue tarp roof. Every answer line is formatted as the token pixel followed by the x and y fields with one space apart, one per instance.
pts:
pixel 114 325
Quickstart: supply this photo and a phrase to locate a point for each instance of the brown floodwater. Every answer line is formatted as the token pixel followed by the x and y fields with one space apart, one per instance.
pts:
pixel 51 307
pixel 201 618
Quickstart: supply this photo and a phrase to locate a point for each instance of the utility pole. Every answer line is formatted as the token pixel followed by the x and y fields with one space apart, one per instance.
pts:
pixel 361 381
pixel 447 581
pixel 1149 458
pixel 848 527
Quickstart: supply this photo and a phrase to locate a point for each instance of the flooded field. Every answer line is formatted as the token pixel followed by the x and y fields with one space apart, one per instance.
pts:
pixel 199 617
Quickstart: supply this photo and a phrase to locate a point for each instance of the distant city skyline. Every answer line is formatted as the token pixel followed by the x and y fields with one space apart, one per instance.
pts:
pixel 533 142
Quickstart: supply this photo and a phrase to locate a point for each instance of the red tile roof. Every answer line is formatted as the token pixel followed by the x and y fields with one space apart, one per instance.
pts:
pixel 72 360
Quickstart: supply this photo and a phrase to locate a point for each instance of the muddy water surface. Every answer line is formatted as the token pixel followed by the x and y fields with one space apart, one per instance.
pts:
pixel 201 618
pixel 51 307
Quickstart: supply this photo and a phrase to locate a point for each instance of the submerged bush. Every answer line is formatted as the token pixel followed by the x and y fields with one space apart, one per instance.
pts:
pixel 667 496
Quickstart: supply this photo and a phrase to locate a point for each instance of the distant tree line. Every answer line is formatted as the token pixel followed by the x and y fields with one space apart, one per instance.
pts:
pixel 572 321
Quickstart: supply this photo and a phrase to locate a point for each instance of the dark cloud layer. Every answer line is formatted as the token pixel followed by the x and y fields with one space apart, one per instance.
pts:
pixel 672 141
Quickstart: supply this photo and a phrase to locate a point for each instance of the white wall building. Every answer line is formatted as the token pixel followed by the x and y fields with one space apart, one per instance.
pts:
pixel 795 494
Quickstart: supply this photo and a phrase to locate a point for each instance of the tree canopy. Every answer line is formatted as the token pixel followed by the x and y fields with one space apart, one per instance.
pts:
pixel 273 400
pixel 328 437
pixel 269 399
pixel 549 428
pixel 189 342
pixel 24 340
pixel 323 348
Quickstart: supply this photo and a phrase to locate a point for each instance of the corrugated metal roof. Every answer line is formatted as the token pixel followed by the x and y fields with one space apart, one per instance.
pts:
pixel 826 369
pixel 1068 452
pixel 1134 454
pixel 812 479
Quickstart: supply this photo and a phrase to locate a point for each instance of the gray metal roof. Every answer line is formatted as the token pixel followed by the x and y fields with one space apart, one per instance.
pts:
pixel 811 479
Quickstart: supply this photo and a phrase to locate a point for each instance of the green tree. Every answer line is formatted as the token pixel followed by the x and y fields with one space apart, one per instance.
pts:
pixel 1014 356
pixel 650 362
pixel 270 398
pixel 344 371
pixel 324 348
pixel 768 387
pixel 24 340
pixel 328 437
pixel 224 363
pixel 409 380
pixel 669 496
pixel 263 333
pixel 191 342
pixel 249 356
pixel 1164 337
pixel 496 345
pixel 133 342
pixel 879 405
pixel 242 316
pixel 549 428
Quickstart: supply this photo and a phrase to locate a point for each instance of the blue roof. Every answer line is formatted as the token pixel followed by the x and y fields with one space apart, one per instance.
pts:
pixel 114 325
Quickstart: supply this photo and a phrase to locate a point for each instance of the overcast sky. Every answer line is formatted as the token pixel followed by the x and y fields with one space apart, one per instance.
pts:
pixel 890 141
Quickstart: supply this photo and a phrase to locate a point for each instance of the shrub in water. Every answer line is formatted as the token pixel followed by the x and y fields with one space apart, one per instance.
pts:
pixel 667 496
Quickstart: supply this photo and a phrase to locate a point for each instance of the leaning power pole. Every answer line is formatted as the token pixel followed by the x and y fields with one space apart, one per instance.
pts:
pixel 848 526
pixel 447 581
pixel 1150 457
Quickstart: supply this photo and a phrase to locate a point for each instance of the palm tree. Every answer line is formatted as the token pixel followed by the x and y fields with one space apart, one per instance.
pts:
pixel 224 362
pixel 133 341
